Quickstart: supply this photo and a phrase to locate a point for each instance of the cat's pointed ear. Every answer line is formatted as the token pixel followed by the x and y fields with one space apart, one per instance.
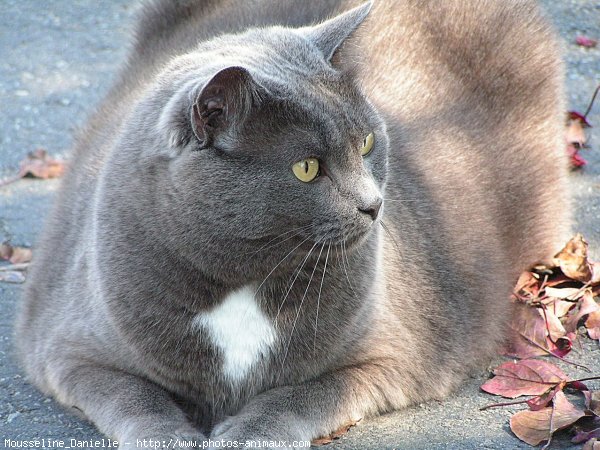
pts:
pixel 329 35
pixel 208 113
pixel 222 104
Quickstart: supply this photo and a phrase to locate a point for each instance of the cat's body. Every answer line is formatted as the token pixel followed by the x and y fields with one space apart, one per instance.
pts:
pixel 184 267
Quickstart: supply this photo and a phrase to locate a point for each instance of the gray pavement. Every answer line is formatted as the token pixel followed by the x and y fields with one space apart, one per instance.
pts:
pixel 58 59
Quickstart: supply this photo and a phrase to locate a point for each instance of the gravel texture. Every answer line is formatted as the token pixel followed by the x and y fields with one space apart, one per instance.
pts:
pixel 58 60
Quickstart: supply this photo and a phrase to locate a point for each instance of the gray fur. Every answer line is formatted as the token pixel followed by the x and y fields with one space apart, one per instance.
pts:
pixel 168 210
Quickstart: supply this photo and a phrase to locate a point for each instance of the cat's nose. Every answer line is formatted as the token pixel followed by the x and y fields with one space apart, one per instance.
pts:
pixel 373 209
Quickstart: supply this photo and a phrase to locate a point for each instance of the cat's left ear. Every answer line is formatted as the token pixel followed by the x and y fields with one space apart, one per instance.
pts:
pixel 223 104
pixel 210 113
pixel 329 35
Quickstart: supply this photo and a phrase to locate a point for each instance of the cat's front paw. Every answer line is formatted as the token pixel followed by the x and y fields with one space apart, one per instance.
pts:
pixel 259 431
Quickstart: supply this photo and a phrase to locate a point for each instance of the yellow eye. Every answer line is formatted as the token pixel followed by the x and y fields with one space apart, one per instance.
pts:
pixel 307 169
pixel 367 144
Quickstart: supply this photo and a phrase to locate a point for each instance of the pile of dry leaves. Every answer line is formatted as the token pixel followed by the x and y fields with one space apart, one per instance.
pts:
pixel 552 305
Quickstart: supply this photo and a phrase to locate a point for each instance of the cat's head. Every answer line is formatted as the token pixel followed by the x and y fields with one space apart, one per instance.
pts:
pixel 270 145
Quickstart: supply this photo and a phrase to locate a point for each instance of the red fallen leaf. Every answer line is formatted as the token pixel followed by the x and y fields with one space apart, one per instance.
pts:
pixel 531 334
pixel 578 385
pixel 533 427
pixel 575 159
pixel 574 115
pixel 334 435
pixel 585 41
pixel 525 377
pixel 572 259
pixel 15 255
pixel 528 333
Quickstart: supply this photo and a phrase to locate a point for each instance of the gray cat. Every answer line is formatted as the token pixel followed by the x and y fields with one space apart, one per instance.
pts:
pixel 276 223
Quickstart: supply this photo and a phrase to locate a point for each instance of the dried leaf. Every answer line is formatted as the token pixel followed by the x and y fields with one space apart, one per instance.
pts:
pixel 334 435
pixel 525 377
pixel 533 427
pixel 529 336
pixel 39 164
pixel 586 305
pixel 527 287
pixel 562 307
pixel 592 401
pixel 572 259
pixel 20 255
pixel 585 41
pixel 593 325
pixel 16 255
pixel 533 335
pixel 575 133
pixel 563 293
pixel 554 326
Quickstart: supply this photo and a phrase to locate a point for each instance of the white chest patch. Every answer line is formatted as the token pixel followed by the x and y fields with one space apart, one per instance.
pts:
pixel 241 331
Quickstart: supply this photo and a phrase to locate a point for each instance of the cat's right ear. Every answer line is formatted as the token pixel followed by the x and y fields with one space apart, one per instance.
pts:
pixel 222 105
pixel 329 35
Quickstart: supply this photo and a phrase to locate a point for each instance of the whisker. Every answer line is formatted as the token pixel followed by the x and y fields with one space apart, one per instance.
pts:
pixel 345 255
pixel 399 200
pixel 278 264
pixel 287 348
pixel 319 297
pixel 386 229
pixel 293 281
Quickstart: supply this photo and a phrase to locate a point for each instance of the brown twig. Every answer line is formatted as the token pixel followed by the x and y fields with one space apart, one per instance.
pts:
pixel 584 379
pixel 496 405
pixel 589 108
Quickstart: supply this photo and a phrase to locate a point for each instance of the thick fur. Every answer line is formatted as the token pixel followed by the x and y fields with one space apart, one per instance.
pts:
pixel 167 212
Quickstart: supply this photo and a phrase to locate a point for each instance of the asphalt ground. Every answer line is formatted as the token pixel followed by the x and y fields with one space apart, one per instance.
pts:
pixel 57 60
